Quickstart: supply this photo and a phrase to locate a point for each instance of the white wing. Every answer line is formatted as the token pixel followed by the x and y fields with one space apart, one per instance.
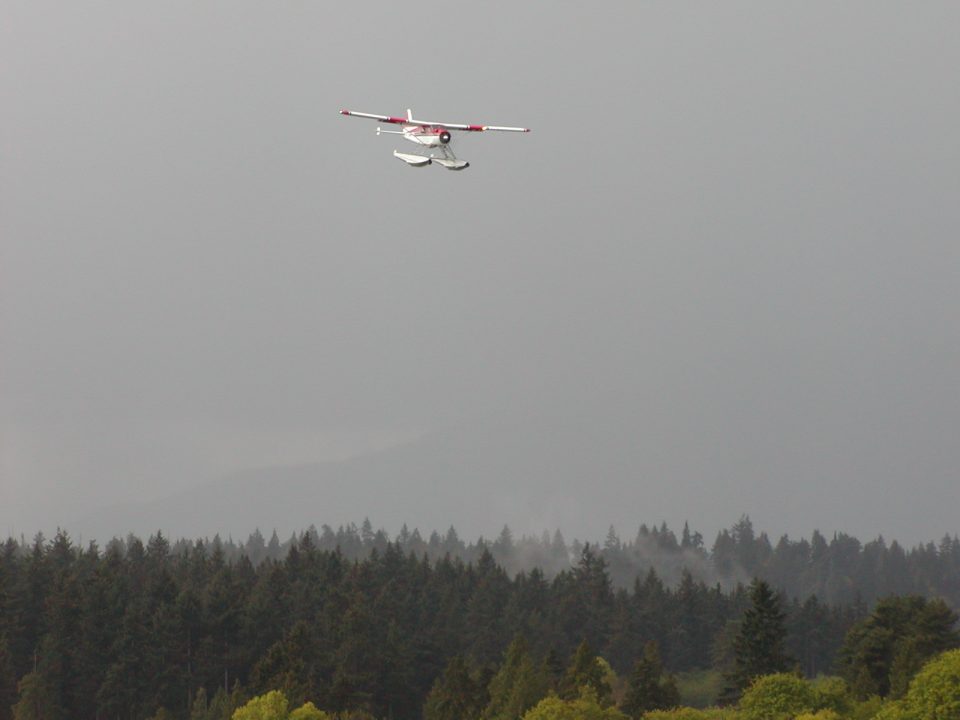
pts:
pixel 429 123
pixel 381 118
pixel 470 128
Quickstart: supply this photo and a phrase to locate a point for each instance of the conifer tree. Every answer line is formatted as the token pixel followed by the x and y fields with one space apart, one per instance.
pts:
pixel 759 647
pixel 882 653
pixel 518 685
pixel 139 626
pixel 596 595
pixel 554 668
pixel 483 619
pixel 585 671
pixel 352 685
pixel 625 634
pixel 198 705
pixel 648 689
pixel 284 666
pixel 455 695
pixel 36 700
pixel 8 682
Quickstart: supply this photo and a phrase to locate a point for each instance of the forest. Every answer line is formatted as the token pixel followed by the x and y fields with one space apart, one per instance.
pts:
pixel 839 571
pixel 364 625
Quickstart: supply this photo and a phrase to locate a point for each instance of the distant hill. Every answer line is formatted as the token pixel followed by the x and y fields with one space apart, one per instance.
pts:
pixel 477 479
pixel 576 474
pixel 579 471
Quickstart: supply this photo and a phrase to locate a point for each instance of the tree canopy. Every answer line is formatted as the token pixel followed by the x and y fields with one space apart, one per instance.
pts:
pixel 760 644
pixel 934 694
pixel 406 628
pixel 881 653
pixel 584 707
pixel 648 688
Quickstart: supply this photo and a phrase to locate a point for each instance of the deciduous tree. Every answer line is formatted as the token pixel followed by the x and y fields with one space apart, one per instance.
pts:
pixel 585 707
pixel 934 693
pixel 780 696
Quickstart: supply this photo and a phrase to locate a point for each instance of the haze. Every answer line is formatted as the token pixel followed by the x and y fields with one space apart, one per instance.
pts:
pixel 719 277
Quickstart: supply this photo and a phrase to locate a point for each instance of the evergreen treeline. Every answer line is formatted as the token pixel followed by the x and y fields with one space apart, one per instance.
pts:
pixel 123 631
pixel 839 571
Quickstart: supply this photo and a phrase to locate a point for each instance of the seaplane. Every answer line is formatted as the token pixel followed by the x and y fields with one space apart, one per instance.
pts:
pixel 435 137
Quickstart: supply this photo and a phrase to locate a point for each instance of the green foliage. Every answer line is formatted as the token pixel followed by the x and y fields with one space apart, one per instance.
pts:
pixel 162 714
pixel 585 670
pixel 518 685
pixel 308 711
pixel 893 710
pixel 285 664
pixel 689 640
pixel 354 715
pixel 699 689
pixel 759 646
pixel 220 707
pixel 36 700
pixel 607 674
pixel 882 653
pixel 934 693
pixel 825 714
pixel 585 707
pixel 455 695
pixel 121 631
pixel 686 713
pixel 8 680
pixel 648 689
pixel 864 709
pixel 198 705
pixel 778 697
pixel 832 693
pixel 272 706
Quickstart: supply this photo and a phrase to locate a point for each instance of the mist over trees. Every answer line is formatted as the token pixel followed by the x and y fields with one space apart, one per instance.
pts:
pixel 839 570
pixel 354 621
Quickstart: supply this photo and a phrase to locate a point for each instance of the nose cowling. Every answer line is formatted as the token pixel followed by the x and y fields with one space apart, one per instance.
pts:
pixel 444 137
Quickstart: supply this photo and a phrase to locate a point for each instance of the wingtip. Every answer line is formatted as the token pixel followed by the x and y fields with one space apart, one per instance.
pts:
pixel 344 112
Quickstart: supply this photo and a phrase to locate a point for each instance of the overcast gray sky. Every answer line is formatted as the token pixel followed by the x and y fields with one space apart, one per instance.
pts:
pixel 734 223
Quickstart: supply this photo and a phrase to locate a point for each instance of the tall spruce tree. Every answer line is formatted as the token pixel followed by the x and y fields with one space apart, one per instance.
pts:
pixel 760 646
pixel 286 666
pixel 36 699
pixel 455 695
pixel 519 684
pixel 483 614
pixel 585 670
pixel 648 688
pixel 8 681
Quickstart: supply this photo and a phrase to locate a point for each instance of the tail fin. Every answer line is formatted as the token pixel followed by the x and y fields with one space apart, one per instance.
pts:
pixel 409 114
